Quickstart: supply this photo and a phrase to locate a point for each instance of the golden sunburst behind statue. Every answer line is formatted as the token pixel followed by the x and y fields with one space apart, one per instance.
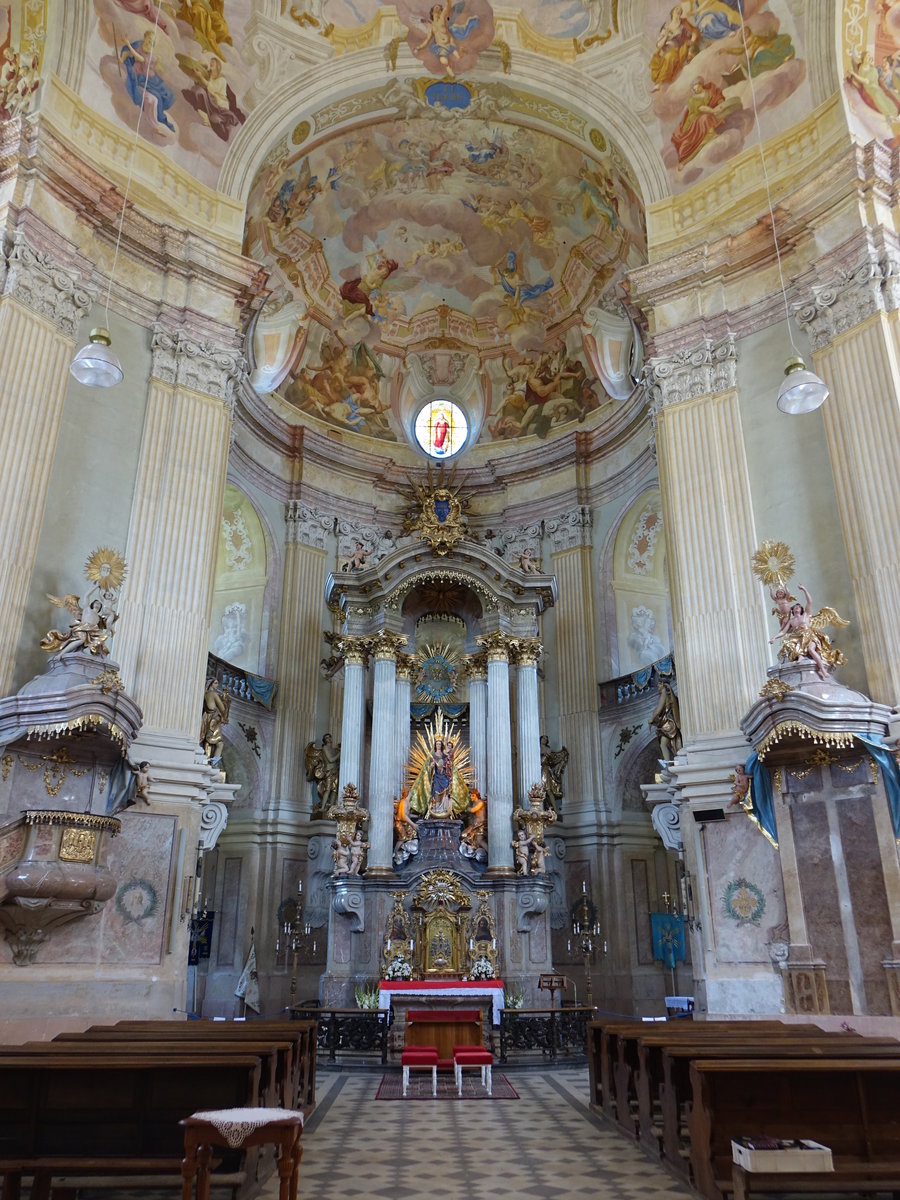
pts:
pixel 106 568
pixel 773 563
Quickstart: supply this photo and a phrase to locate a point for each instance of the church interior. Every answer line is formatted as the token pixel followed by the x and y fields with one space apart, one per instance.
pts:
pixel 378 640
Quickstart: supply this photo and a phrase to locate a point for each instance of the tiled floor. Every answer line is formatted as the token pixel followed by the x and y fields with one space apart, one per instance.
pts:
pixel 547 1146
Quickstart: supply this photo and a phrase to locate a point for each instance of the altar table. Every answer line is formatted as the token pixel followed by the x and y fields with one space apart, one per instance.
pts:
pixel 491 989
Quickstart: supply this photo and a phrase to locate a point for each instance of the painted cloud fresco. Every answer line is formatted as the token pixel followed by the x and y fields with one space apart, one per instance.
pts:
pixel 415 213
pixel 554 18
pixel 194 73
pixel 872 72
pixel 699 79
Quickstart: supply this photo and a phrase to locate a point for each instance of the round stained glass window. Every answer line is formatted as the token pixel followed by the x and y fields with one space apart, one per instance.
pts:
pixel 441 428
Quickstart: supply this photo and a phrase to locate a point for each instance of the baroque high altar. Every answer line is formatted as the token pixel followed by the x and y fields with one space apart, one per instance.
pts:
pixel 449 809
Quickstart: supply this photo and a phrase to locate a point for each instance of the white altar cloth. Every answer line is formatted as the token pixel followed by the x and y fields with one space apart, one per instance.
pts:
pixel 476 988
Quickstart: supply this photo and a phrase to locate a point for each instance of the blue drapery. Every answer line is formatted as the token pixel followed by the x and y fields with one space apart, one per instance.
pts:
pixel 761 808
pixel 262 690
pixel 890 773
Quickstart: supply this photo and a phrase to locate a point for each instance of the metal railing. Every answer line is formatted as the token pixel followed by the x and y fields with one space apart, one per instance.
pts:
pixel 341 1030
pixel 551 1031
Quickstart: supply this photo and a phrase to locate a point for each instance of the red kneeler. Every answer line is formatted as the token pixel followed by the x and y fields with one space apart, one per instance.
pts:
pixel 472 1056
pixel 420 1058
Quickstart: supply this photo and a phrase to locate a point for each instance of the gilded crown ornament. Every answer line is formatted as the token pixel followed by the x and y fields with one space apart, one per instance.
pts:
pixel 438 513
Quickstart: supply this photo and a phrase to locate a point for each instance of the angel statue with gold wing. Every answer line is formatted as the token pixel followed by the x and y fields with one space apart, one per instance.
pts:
pixel 804 636
pixel 88 631
pixel 439 773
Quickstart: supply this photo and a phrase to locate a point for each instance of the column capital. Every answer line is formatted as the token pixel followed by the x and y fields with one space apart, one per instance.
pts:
pixel 497 646
pixel 355 650
pixel 405 665
pixel 182 361
pixel 705 369
pixel 476 665
pixel 34 279
pixel 855 292
pixel 307 526
pixel 525 652
pixel 386 645
pixel 570 529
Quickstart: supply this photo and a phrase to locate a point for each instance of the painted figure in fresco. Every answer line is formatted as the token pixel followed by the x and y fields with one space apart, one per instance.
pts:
pixel 516 291
pixel 344 388
pixel 144 8
pixel 805 637
pixel 716 19
pixel 136 57
pixel 19 80
pixel 359 290
pixel 211 96
pixel 207 20
pixel 706 110
pixel 294 198
pixel 766 51
pixel 867 80
pixel 598 196
pixel 443 37
pixel 678 42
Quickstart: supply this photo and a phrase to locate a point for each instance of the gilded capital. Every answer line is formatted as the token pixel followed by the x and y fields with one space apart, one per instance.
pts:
pixel 355 650
pixel 476 665
pixel 385 645
pixel 37 282
pixel 707 369
pixel 405 665
pixel 525 652
pixel 497 646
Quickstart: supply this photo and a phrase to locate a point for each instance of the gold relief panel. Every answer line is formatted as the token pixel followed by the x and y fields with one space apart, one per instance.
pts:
pixel 77 845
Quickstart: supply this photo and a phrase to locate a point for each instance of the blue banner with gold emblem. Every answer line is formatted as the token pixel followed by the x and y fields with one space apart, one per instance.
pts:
pixel 668 938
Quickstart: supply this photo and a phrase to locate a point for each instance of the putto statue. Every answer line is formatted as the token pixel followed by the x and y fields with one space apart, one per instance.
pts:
pixel 348 848
pixel 800 631
pixel 95 616
pixel 323 767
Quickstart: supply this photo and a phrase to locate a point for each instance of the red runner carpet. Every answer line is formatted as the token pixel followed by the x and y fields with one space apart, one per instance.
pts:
pixel 391 1087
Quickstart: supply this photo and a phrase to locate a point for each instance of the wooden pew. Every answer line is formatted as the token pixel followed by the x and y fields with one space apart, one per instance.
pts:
pixel 848 1104
pixel 94 1110
pixel 303 1034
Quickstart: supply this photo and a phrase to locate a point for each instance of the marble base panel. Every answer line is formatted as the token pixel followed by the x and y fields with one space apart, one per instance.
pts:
pixel 754 997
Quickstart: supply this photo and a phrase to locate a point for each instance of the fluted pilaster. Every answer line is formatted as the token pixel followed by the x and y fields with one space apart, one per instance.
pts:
pixel 40 307
pixel 477 672
pixel 174 530
pixel 299 645
pixel 499 757
pixel 525 656
pixel 576 652
pixel 382 768
pixel 854 325
pixel 717 613
pixel 353 723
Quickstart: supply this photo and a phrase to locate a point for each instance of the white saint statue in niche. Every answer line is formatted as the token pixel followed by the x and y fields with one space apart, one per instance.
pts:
pixel 232 641
pixel 644 643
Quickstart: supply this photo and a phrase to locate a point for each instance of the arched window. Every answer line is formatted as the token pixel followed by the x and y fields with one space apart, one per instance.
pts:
pixel 441 428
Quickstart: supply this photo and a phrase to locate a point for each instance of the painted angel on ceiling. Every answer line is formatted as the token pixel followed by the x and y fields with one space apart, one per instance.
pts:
pixel 211 96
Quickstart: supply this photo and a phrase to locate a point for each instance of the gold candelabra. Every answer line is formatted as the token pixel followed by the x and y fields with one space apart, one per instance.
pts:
pixel 293 932
pixel 586 932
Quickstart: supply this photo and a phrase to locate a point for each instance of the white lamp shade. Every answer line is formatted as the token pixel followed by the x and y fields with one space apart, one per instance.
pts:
pixel 95 365
pixel 801 391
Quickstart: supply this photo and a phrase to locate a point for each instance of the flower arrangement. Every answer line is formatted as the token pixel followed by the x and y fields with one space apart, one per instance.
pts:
pixel 513 997
pixel 399 968
pixel 482 968
pixel 366 996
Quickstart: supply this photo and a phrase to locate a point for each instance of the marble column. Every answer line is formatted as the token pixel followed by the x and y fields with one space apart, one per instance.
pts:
pixel 499 757
pixel 718 615
pixel 383 761
pixel 355 651
pixel 854 326
pixel 40 308
pixel 576 658
pixel 476 668
pixel 174 532
pixel 526 654
pixel 307 531
pixel 402 719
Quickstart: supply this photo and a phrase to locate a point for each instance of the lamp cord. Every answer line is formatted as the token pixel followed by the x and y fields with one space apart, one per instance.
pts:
pixel 137 133
pixel 787 314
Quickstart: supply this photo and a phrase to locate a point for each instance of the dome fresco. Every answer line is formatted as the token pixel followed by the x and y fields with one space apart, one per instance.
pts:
pixel 436 189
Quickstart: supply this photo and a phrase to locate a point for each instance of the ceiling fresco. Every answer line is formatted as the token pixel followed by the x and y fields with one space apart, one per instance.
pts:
pixel 871 68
